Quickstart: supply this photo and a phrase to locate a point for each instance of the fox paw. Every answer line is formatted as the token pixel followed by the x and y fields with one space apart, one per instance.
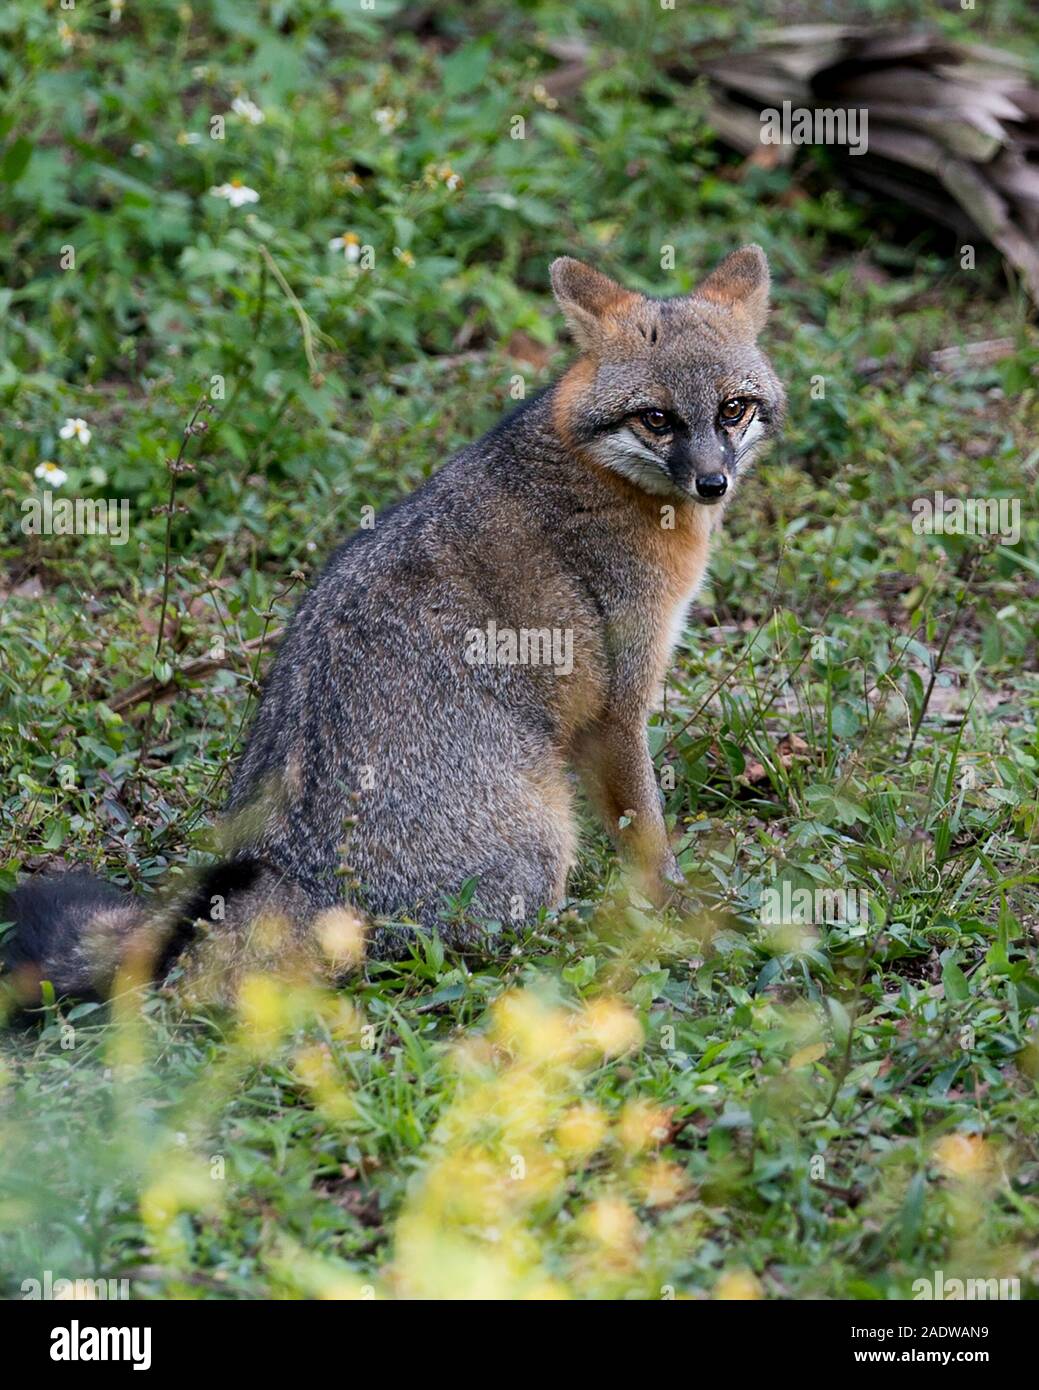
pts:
pixel 673 890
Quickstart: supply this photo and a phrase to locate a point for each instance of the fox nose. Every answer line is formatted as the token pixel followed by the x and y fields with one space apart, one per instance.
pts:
pixel 712 484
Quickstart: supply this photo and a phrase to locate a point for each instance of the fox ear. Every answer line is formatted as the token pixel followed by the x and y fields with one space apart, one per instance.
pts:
pixel 585 297
pixel 740 283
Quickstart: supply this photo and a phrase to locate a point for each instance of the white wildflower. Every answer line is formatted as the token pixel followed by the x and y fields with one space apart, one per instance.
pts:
pixel 350 245
pixel 248 110
pixel 75 428
pixel 236 193
pixel 51 474
pixel 388 118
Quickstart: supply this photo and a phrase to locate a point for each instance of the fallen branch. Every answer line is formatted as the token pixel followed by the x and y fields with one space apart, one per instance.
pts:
pixel 953 128
pixel 150 688
pixel 949 360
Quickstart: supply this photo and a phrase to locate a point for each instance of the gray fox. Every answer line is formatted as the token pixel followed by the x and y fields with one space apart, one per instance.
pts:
pixel 510 621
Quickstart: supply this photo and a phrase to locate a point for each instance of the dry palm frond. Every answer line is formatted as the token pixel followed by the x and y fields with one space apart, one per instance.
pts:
pixel 953 129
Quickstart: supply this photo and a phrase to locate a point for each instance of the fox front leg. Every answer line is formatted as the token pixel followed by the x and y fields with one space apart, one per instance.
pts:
pixel 618 775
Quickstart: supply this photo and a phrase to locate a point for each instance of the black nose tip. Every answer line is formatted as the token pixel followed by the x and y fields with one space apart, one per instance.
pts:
pixel 712 484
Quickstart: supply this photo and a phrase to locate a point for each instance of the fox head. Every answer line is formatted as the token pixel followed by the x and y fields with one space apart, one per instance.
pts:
pixel 673 394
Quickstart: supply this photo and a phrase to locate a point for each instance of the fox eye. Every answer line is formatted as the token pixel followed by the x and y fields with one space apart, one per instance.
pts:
pixel 732 411
pixel 655 421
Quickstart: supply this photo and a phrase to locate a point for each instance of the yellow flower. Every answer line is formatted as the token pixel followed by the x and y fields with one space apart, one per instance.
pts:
pixel 546 1291
pixel 530 1028
pixel 659 1183
pixel 340 933
pixel 581 1131
pixel 186 1184
pixel 963 1155
pixel 317 1071
pixel 641 1125
pixel 612 1223
pixel 261 1004
pixel 738 1285
pixel 610 1027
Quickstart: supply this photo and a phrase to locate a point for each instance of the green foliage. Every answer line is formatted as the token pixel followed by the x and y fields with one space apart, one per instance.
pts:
pixel 848 1104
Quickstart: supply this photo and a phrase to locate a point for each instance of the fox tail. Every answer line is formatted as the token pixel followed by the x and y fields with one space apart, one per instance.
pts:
pixel 71 929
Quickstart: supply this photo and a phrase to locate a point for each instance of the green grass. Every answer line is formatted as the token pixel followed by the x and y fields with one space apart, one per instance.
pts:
pixel 826 1111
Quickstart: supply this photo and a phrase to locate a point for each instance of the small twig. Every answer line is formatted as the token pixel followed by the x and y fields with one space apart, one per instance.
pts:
pixel 199 666
pixel 967 583
pixel 176 466
pixel 295 578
